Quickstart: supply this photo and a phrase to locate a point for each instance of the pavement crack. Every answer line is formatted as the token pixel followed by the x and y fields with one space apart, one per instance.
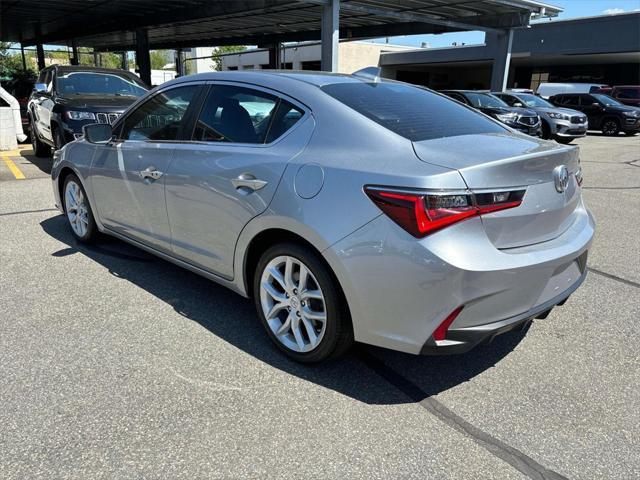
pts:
pixel 514 457
pixel 614 277
pixel 24 212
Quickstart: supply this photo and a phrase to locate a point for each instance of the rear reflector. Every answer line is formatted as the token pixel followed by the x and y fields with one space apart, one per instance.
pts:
pixel 440 333
pixel 421 214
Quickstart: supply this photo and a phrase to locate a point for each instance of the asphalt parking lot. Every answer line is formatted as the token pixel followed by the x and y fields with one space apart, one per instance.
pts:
pixel 115 364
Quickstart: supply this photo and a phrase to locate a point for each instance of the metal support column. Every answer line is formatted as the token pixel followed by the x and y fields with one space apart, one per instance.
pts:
pixel 330 35
pixel 124 62
pixel 40 56
pixel 502 60
pixel 24 59
pixel 75 59
pixel 143 58
pixel 179 62
pixel 96 59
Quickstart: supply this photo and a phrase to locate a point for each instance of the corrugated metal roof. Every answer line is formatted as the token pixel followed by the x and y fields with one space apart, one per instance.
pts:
pixel 111 24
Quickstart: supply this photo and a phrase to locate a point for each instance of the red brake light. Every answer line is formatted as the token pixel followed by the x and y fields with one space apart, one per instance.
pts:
pixel 421 214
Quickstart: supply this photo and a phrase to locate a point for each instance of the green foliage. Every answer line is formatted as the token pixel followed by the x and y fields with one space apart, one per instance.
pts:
pixel 221 51
pixel 11 62
pixel 159 58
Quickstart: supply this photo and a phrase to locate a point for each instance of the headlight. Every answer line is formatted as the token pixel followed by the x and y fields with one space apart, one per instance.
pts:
pixel 559 116
pixel 632 114
pixel 507 117
pixel 80 116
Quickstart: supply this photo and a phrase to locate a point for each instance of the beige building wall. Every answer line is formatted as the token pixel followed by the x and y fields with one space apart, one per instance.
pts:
pixel 353 56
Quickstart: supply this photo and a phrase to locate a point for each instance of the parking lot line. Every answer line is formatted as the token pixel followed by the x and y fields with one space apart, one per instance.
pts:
pixel 13 167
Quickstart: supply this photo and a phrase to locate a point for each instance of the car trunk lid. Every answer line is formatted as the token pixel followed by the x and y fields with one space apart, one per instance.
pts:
pixel 499 162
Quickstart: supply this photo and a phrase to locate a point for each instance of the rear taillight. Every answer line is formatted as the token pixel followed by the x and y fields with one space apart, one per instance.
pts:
pixel 440 333
pixel 422 213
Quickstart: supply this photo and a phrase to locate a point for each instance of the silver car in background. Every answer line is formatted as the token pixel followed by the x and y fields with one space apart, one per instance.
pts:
pixel 347 208
pixel 561 124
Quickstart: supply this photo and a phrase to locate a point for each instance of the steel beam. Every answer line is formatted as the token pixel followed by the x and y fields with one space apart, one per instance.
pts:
pixel 40 56
pixel 330 36
pixel 75 59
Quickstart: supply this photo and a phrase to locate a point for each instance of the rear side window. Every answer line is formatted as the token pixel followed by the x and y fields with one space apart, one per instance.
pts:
pixel 631 93
pixel 414 113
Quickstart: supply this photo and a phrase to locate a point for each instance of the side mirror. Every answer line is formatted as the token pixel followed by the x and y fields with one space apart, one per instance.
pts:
pixel 40 88
pixel 99 133
pixel 518 104
pixel 595 104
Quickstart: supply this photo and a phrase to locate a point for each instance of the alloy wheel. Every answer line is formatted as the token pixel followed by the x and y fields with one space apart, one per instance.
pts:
pixel 610 127
pixel 293 304
pixel 76 207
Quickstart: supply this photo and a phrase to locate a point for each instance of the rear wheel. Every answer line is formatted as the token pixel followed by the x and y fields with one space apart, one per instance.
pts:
pixel 58 139
pixel 300 305
pixel 78 211
pixel 40 149
pixel 610 127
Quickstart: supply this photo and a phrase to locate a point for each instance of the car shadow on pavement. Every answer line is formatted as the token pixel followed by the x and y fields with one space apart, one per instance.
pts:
pixel 367 374
pixel 43 163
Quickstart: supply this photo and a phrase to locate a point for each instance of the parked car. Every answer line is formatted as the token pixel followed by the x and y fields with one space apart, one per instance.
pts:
pixel 627 94
pixel 603 112
pixel 20 87
pixel 546 90
pixel 523 119
pixel 354 209
pixel 66 98
pixel 561 124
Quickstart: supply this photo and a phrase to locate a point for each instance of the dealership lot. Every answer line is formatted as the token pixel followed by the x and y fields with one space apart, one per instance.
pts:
pixel 116 364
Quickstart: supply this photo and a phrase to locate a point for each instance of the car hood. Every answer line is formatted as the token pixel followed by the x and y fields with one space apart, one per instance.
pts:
pixel 566 111
pixel 90 102
pixel 501 110
pixel 622 108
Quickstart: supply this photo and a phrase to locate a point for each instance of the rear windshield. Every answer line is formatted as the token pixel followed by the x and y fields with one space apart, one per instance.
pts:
pixel 413 112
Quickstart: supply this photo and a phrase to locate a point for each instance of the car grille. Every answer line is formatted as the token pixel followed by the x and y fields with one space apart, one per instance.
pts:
pixel 578 119
pixel 107 117
pixel 529 121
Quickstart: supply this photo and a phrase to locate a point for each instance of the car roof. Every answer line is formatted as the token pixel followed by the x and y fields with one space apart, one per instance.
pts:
pixel 82 68
pixel 311 77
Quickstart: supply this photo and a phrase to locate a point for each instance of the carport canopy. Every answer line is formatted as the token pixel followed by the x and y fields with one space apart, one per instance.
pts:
pixel 119 25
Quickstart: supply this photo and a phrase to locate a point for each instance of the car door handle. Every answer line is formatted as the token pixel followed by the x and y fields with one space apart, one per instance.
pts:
pixel 151 173
pixel 248 181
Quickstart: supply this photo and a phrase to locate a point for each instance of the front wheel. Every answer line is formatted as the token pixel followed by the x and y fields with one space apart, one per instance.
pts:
pixel 564 140
pixel 78 211
pixel 300 305
pixel 40 149
pixel 610 127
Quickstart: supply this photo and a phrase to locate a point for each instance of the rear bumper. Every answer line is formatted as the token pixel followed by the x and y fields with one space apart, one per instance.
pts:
pixel 400 289
pixel 462 340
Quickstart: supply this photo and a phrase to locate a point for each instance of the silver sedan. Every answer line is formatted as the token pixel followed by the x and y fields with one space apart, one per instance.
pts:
pixel 347 207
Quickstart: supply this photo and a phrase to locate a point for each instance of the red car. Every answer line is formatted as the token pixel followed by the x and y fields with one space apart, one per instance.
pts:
pixel 627 94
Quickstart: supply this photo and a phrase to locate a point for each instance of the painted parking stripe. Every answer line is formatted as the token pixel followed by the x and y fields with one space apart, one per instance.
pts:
pixel 13 167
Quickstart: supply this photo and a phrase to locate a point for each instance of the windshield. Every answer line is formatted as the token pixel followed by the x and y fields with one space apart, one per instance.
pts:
pixel 412 112
pixel 484 100
pixel 605 99
pixel 533 101
pixel 99 83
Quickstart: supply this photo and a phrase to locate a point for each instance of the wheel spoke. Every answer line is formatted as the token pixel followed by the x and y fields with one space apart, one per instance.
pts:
pixel 277 276
pixel 275 309
pixel 311 333
pixel 285 326
pixel 318 316
pixel 302 280
pixel 288 274
pixel 312 294
pixel 295 328
pixel 275 294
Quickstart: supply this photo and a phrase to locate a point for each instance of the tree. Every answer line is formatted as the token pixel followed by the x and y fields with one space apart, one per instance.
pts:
pixel 219 52
pixel 10 62
pixel 159 58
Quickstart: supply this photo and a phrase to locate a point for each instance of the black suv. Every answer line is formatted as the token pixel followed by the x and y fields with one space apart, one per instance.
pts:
pixel 522 119
pixel 66 98
pixel 603 112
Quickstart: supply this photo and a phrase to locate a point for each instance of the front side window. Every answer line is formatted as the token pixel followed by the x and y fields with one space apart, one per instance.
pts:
pixel 573 101
pixel 603 99
pixel 243 115
pixel 161 117
pixel 412 112
pixel 479 100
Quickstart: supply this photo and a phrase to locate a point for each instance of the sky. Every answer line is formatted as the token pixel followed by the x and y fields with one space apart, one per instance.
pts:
pixel 572 9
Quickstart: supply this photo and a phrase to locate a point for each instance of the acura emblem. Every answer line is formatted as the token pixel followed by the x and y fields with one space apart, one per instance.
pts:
pixel 561 178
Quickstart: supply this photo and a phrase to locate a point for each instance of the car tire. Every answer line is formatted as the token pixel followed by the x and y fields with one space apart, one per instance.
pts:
pixel 546 131
pixel 564 140
pixel 40 149
pixel 610 127
pixel 58 138
pixel 78 210
pixel 311 324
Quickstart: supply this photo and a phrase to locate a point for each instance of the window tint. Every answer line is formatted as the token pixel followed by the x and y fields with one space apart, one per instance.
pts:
pixel 508 99
pixel 235 114
pixel 628 93
pixel 412 112
pixel 569 100
pixel 286 116
pixel 161 117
